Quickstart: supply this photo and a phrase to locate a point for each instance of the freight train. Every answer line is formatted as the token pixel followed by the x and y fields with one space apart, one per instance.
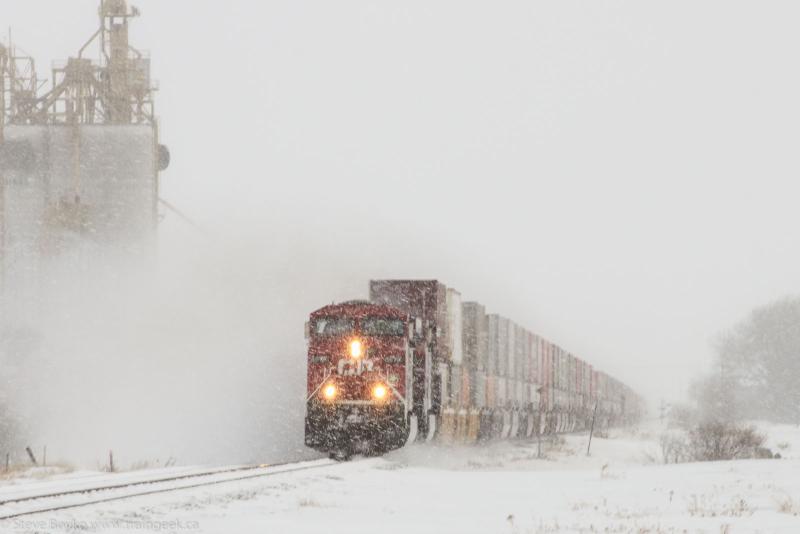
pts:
pixel 414 363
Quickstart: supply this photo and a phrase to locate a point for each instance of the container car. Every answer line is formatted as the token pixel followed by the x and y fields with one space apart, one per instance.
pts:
pixel 415 363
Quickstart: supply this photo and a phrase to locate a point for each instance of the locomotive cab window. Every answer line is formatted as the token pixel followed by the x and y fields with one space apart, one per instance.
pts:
pixel 380 326
pixel 333 326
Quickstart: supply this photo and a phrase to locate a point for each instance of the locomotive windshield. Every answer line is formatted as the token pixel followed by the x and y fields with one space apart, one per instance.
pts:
pixel 381 326
pixel 333 326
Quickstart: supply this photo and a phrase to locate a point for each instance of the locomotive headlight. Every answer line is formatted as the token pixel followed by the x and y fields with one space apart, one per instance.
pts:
pixel 356 349
pixel 329 391
pixel 379 392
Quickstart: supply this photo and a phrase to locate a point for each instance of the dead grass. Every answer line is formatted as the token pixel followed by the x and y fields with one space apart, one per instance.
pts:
pixel 151 464
pixel 706 506
pixel 35 473
pixel 788 505
pixel 308 502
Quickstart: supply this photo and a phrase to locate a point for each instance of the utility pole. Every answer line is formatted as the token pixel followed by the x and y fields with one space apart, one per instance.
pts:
pixel 663 410
pixel 3 61
pixel 724 404
pixel 539 424
pixel 591 431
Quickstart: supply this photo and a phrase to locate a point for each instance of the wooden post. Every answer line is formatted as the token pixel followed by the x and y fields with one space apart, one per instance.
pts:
pixel 111 461
pixel 31 456
pixel 44 456
pixel 8 457
pixel 591 431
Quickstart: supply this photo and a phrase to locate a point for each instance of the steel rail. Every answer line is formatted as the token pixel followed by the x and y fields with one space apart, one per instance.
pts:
pixel 109 487
pixel 56 508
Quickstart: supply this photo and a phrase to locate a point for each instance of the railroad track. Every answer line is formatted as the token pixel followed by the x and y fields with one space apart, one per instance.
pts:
pixel 75 497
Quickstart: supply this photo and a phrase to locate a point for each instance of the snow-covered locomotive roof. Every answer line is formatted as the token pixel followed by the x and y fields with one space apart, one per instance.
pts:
pixel 359 308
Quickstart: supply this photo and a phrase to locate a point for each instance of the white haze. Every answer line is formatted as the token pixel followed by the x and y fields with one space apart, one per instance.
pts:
pixel 618 176
pixel 200 359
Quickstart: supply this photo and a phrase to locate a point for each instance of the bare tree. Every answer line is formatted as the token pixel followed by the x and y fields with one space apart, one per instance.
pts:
pixel 758 368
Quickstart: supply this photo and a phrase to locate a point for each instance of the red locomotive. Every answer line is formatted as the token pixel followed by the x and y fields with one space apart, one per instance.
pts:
pixel 359 357
pixel 413 362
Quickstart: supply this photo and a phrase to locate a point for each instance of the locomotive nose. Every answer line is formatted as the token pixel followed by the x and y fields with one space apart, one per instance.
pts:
pixel 356 348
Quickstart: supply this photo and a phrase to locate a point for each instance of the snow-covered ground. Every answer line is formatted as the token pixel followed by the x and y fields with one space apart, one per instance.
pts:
pixel 782 439
pixel 504 488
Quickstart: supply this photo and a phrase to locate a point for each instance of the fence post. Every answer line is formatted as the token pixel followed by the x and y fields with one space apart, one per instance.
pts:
pixel 31 456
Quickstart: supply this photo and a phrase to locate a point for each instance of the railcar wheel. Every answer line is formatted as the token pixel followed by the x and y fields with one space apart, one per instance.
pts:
pixel 340 456
pixel 376 449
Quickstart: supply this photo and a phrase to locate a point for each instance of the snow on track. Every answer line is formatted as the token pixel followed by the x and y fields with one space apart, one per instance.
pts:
pixel 502 488
pixel 81 482
pixel 66 494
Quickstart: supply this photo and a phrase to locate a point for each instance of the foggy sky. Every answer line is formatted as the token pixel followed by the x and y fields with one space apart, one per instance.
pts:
pixel 620 177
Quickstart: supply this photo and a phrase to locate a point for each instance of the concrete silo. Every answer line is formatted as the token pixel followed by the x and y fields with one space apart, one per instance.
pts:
pixel 79 162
